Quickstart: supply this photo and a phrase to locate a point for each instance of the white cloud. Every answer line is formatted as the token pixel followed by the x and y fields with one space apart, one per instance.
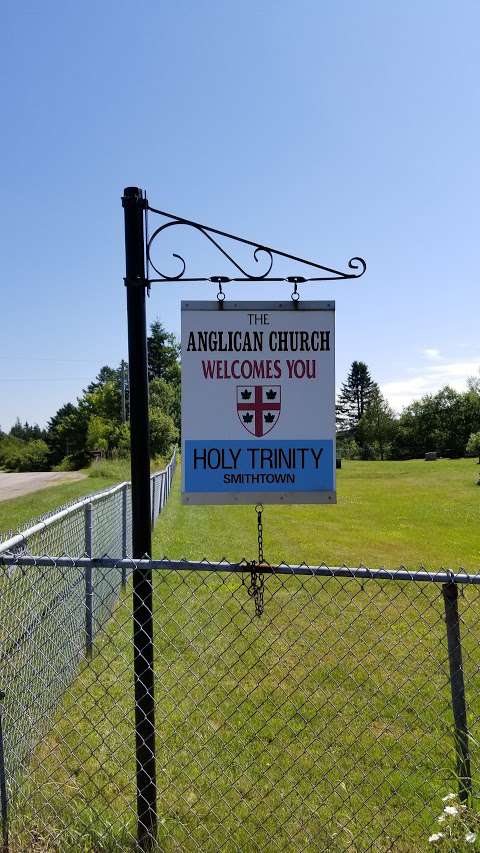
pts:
pixel 429 380
pixel 432 354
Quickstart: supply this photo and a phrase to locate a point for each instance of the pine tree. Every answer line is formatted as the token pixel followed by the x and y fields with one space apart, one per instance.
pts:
pixel 163 354
pixel 354 397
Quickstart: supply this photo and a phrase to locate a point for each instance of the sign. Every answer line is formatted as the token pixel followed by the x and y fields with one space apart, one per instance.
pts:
pixel 258 402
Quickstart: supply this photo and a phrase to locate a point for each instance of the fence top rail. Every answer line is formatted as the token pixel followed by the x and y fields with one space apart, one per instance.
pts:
pixel 360 572
pixel 22 537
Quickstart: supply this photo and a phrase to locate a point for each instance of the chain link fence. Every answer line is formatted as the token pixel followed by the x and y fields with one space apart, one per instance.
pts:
pixel 335 721
pixel 50 615
pixel 297 708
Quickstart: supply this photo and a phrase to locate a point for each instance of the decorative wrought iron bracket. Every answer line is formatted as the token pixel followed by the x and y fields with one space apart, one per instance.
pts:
pixel 356 265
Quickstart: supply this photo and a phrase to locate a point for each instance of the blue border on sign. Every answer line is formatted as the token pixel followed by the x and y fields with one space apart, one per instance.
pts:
pixel 256 466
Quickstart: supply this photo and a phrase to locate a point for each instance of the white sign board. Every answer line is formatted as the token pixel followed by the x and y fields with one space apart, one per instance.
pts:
pixel 258 402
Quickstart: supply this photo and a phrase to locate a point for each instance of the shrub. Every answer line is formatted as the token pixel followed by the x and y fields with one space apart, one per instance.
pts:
pixel 18 455
pixel 348 448
pixel 36 456
pixel 473 445
pixel 163 433
pixel 67 464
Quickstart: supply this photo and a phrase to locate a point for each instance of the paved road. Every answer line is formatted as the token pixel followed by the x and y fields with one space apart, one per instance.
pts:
pixel 13 485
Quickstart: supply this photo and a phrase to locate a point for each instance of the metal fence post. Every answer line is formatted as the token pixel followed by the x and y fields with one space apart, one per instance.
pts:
pixel 88 581
pixel 162 493
pixel 3 787
pixel 124 532
pixel 153 501
pixel 457 685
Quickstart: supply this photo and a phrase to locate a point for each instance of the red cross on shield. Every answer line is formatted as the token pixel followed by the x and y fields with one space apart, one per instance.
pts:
pixel 258 407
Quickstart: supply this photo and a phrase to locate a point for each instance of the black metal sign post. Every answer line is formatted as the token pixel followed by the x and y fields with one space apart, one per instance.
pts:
pixel 138 248
pixel 134 205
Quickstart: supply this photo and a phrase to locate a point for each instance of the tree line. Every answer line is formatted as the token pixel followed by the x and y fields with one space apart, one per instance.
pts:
pixel 447 422
pixel 96 423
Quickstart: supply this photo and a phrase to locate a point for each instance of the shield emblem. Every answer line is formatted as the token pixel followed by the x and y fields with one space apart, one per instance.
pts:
pixel 258 407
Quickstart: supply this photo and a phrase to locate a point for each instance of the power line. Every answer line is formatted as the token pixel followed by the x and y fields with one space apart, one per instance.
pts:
pixel 47 379
pixel 52 358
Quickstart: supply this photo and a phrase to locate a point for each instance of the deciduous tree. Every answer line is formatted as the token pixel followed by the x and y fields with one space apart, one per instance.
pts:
pixel 163 432
pixel 473 445
pixel 67 435
pixel 377 426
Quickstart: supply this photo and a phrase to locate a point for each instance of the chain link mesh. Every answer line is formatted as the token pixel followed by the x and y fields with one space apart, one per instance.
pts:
pixel 107 526
pixel 326 724
pixel 45 628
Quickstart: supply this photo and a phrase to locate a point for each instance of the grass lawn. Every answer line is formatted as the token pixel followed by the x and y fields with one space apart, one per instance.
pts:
pixel 388 513
pixel 324 725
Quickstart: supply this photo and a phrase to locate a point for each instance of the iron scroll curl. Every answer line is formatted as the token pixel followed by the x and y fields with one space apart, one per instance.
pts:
pixel 356 265
pixel 205 231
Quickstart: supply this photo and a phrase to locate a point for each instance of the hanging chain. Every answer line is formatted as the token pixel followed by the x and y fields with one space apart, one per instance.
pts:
pixel 257 583
pixel 259 510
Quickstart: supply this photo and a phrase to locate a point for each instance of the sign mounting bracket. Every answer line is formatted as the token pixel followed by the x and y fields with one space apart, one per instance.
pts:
pixel 356 265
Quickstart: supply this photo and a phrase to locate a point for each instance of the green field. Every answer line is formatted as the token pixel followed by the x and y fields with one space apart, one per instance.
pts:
pixel 324 725
pixel 388 513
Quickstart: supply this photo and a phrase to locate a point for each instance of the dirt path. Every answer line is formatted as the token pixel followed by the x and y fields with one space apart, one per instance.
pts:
pixel 14 485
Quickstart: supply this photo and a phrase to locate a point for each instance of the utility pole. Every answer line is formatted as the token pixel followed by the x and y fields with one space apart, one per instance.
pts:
pixel 124 408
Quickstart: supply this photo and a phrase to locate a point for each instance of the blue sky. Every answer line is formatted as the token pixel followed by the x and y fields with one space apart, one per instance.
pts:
pixel 327 129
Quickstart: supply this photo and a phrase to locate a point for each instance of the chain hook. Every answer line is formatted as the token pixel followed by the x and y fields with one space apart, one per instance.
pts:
pixel 295 296
pixel 220 279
